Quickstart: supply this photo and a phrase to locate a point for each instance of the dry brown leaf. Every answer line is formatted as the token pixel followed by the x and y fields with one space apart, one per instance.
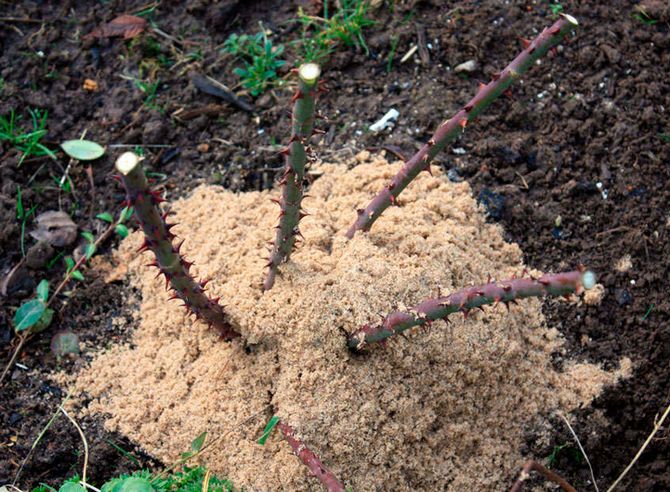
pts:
pixel 56 228
pixel 127 26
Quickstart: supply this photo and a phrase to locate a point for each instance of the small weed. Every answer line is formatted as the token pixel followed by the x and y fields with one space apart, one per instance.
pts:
pixel 643 17
pixel 27 142
pixel 665 137
pixel 573 454
pixel 149 89
pixel 188 480
pixel 394 46
pixel 260 58
pixel 322 34
pixel 556 9
pixel 119 227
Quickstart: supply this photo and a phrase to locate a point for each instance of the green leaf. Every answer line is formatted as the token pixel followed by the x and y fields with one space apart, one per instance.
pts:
pixel 83 150
pixel 90 250
pixel 72 487
pixel 43 322
pixel 198 442
pixel 20 211
pixel 122 230
pixel 43 290
pixel 69 263
pixel 88 236
pixel 28 314
pixel 135 484
pixel 77 275
pixel 106 216
pixel 268 429
pixel 126 213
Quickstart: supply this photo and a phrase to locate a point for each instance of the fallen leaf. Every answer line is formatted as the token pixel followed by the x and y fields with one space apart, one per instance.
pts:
pixel 64 343
pixel 126 26
pixel 83 150
pixel 56 228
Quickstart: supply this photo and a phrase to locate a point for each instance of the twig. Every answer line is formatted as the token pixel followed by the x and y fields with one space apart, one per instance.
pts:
pixel 38 439
pixel 83 438
pixel 581 448
pixel 21 20
pixel 532 465
pixel 17 350
pixel 657 426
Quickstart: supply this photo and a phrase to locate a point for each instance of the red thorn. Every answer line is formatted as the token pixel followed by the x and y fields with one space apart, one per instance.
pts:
pixel 508 94
pixel 525 42
pixel 296 96
pixel 481 86
pixel 117 178
pixel 153 263
pixel 463 123
pixel 556 30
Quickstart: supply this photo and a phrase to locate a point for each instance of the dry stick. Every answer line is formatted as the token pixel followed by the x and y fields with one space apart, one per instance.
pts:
pixel 506 291
pixel 38 439
pixel 452 128
pixel 581 448
pixel 294 173
pixel 547 473
pixel 83 438
pixel 310 459
pixel 657 426
pixel 158 238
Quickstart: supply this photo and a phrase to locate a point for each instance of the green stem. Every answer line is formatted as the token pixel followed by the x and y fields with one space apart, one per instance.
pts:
pixel 294 172
pixel 454 127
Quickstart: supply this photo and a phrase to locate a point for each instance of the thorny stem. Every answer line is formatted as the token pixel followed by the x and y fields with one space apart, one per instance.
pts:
pixel 544 471
pixel 507 291
pixel 294 172
pixel 158 238
pixel 310 459
pixel 454 127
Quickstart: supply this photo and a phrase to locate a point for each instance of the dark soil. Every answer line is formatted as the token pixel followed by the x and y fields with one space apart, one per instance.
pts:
pixel 584 138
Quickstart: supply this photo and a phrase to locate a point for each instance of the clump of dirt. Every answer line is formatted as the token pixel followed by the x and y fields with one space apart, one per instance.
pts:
pixel 445 409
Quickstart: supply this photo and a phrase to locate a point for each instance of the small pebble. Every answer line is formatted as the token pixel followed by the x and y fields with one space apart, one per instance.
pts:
pixel 468 66
pixel 623 297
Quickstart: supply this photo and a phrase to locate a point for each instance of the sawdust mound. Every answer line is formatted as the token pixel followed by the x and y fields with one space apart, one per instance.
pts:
pixel 445 409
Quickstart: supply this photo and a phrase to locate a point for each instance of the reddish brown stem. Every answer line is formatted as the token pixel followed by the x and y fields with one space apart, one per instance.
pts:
pixel 506 291
pixel 531 466
pixel 454 127
pixel 158 238
pixel 310 459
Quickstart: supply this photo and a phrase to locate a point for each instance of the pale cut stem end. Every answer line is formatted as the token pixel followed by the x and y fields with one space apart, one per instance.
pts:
pixel 309 73
pixel 127 162
pixel 570 19
pixel 589 280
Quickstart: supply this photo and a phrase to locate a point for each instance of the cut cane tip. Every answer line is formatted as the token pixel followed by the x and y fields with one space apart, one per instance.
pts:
pixel 126 162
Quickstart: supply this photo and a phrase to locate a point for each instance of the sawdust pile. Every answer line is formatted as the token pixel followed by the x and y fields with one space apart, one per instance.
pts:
pixel 446 409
